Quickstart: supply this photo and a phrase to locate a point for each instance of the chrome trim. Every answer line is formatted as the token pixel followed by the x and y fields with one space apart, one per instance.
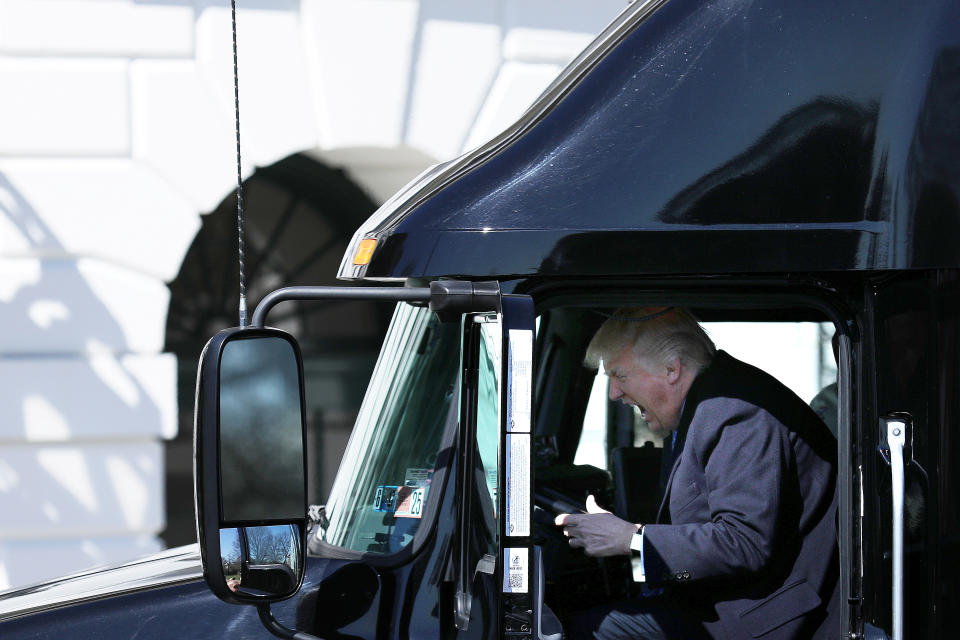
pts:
pixel 438 176
pixel 849 475
pixel 181 564
pixel 896 427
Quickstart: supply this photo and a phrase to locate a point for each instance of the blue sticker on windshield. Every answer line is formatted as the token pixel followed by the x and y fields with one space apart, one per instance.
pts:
pixel 386 498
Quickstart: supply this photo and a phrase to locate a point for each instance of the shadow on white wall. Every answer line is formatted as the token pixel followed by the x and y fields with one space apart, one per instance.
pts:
pixel 83 402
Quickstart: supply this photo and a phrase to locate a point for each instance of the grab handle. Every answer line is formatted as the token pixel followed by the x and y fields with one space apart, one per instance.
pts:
pixel 895 436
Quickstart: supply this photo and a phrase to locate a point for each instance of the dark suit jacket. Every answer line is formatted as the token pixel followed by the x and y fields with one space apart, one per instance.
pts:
pixel 746 538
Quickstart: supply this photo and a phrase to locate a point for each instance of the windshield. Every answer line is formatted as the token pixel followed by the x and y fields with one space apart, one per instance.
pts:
pixel 383 484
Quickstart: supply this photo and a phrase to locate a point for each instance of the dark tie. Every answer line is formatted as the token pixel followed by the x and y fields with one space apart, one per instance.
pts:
pixel 666 463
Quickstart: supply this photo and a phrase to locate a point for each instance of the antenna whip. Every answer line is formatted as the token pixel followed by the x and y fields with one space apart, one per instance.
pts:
pixel 236 110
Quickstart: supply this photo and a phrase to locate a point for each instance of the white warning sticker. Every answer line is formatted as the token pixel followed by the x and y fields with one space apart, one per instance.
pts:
pixel 515 570
pixel 518 484
pixel 521 379
pixel 417 477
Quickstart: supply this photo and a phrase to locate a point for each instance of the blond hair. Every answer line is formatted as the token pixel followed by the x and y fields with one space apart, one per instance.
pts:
pixel 657 334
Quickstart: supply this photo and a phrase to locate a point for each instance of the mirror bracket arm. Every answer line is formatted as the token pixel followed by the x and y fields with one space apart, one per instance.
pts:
pixel 447 298
pixel 406 294
pixel 451 298
pixel 277 629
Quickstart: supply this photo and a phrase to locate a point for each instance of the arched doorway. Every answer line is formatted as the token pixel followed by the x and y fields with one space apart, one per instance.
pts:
pixel 299 216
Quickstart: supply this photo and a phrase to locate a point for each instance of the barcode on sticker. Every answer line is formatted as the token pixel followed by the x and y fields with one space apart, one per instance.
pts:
pixel 515 570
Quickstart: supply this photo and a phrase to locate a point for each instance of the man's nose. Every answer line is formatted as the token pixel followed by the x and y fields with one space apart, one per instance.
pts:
pixel 614 392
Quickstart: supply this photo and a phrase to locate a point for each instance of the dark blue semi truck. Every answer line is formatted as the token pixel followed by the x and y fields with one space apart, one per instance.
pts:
pixel 764 162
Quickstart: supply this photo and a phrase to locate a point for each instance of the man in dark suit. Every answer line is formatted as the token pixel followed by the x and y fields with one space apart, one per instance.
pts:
pixel 745 543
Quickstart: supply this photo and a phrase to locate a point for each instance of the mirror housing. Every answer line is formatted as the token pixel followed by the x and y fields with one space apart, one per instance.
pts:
pixel 250 465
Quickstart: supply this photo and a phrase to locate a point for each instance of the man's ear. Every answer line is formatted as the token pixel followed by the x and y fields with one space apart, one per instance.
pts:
pixel 674 370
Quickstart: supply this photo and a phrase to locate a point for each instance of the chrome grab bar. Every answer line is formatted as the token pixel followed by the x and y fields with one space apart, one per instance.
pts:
pixel 895 452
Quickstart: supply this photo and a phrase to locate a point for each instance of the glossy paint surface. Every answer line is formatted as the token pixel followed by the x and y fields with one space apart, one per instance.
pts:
pixel 724 136
pixel 172 566
pixel 399 596
pixel 184 610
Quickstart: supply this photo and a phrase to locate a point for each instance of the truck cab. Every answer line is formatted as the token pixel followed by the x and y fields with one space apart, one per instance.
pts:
pixel 770 164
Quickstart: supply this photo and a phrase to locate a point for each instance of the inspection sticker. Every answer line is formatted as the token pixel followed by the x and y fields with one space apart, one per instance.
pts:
pixel 410 502
pixel 515 570
pixel 402 502
pixel 386 498
pixel 520 388
pixel 518 484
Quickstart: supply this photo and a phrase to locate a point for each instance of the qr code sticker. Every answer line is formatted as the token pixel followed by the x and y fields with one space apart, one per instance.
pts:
pixel 515 570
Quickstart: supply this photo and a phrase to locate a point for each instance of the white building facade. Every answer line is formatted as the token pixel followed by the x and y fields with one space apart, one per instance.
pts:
pixel 117 135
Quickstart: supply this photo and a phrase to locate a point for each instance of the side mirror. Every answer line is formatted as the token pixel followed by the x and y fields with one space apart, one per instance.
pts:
pixel 250 467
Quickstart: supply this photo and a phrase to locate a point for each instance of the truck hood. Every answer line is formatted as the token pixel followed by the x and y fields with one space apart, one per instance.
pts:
pixel 180 564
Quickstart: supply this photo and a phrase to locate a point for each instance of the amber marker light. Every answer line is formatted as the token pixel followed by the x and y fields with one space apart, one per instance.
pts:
pixel 364 251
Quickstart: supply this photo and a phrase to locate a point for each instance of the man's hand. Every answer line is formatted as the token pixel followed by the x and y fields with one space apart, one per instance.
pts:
pixel 598 532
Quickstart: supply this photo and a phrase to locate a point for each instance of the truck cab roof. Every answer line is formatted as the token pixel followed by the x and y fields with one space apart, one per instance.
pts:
pixel 736 137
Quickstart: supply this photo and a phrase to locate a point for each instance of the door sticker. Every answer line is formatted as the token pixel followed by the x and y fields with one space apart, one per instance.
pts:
pixel 515 570
pixel 520 388
pixel 518 484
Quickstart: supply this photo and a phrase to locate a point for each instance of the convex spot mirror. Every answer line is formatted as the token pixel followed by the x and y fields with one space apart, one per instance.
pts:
pixel 250 470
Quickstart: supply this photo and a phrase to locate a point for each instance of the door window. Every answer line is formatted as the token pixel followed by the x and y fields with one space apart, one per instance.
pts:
pixel 802 359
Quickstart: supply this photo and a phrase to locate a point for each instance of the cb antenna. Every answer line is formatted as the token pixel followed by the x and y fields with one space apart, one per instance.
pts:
pixel 236 111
